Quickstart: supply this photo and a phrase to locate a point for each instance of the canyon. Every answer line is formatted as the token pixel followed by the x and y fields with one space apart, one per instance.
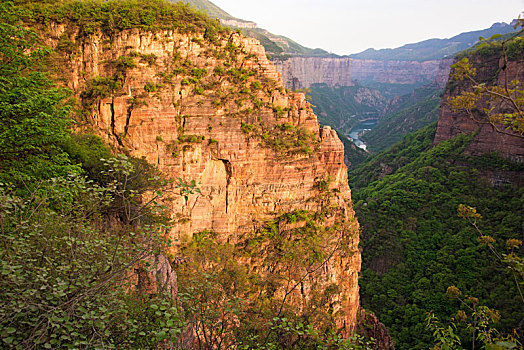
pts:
pixel 183 196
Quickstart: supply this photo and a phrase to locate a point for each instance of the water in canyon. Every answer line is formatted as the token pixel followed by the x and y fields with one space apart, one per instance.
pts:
pixel 357 131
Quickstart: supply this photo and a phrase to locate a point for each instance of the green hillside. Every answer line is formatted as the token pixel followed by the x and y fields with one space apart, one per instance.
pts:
pixel 278 46
pixel 211 9
pixel 414 244
pixel 281 47
pixel 412 112
pixel 343 107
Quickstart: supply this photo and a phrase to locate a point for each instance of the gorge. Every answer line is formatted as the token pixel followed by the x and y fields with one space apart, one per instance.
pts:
pixel 161 187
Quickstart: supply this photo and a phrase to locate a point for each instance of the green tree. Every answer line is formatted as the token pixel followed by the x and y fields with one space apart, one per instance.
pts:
pixel 34 116
pixel 74 276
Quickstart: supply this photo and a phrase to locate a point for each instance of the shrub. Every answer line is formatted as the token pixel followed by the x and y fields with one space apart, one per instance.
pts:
pixel 246 128
pixel 101 87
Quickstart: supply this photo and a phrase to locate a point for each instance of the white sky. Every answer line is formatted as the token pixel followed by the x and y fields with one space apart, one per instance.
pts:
pixel 351 26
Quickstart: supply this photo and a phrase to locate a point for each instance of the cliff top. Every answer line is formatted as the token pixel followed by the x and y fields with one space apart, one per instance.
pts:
pixel 117 15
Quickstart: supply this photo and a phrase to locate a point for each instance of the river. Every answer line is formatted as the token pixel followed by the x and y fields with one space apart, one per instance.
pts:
pixel 357 131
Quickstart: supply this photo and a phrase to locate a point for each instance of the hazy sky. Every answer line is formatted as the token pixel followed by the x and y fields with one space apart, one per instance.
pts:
pixel 351 26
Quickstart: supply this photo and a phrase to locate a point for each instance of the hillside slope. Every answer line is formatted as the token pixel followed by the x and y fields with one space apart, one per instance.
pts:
pixel 277 46
pixel 415 245
pixel 405 114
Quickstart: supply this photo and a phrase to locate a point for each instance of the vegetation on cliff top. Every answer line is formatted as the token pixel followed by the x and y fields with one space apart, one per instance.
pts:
pixel 117 15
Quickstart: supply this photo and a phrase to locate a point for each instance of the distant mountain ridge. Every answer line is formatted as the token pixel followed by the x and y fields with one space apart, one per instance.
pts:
pixel 281 47
pixel 433 49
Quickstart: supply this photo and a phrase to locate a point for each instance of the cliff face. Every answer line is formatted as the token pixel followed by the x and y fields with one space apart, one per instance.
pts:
pixel 218 113
pixel 302 72
pixel 396 72
pixel 487 139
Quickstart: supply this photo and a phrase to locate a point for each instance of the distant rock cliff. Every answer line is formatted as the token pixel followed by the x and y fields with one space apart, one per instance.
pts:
pixel 398 72
pixel 238 23
pixel 218 113
pixel 302 72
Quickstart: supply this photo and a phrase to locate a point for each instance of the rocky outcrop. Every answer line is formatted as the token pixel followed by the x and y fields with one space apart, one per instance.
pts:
pixel 488 138
pixel 217 113
pixel 302 72
pixel 158 277
pixel 444 68
pixel 370 327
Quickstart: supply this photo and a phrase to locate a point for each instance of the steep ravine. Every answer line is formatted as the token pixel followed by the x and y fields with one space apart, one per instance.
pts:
pixel 217 112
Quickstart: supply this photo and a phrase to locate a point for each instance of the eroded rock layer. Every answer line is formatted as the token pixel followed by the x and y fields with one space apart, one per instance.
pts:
pixel 488 137
pixel 216 111
pixel 302 72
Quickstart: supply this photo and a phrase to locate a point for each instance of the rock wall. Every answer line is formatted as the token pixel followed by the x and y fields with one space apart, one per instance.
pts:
pixel 369 326
pixel 487 139
pixel 238 23
pixel 302 72
pixel 218 113
pixel 395 72
pixel 443 72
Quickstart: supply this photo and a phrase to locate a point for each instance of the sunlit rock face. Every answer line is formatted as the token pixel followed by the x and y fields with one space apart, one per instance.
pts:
pixel 488 138
pixel 218 113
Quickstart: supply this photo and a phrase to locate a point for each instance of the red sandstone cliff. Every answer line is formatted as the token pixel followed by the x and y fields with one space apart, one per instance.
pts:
pixel 487 139
pixel 219 114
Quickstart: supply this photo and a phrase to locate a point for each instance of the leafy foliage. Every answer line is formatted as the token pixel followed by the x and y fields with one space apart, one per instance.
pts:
pixel 232 304
pixel 489 104
pixel 33 114
pixel 66 271
pixel 113 16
